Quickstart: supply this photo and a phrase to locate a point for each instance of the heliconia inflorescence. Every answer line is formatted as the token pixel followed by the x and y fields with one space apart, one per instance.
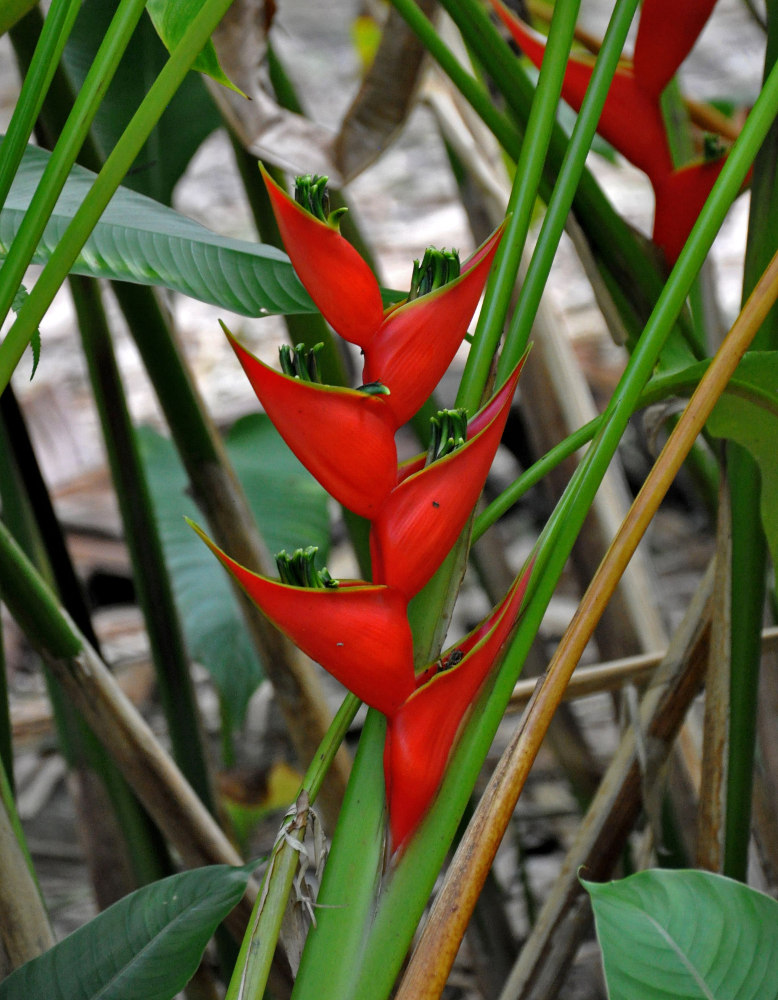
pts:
pixel 359 631
pixel 632 119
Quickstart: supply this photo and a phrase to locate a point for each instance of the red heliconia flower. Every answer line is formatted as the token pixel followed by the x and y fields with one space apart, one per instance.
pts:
pixel 418 340
pixel 631 118
pixel 424 515
pixel 345 438
pixel 334 274
pixel 666 34
pixel 421 734
pixel 679 200
pixel 358 632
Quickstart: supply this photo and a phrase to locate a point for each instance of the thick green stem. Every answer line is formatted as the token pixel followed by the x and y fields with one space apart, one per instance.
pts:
pixel 334 949
pixel 526 181
pixel 749 552
pixel 252 968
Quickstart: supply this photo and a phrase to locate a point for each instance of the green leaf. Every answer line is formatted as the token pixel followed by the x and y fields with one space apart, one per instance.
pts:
pixel 190 116
pixel 686 935
pixel 141 241
pixel 291 511
pixel 748 413
pixel 145 947
pixel 171 19
pixel 12 11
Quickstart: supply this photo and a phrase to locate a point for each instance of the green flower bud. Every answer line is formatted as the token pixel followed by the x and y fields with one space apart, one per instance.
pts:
pixel 298 569
pixel 436 269
pixel 449 432
pixel 301 362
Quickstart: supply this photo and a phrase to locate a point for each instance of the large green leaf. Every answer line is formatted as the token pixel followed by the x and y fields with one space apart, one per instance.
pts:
pixel 190 116
pixel 145 947
pixel 141 241
pixel 686 935
pixel 291 511
pixel 747 412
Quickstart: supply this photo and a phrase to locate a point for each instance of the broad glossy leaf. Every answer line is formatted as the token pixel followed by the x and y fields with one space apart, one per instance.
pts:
pixel 190 116
pixel 686 935
pixel 145 947
pixel 291 511
pixel 141 241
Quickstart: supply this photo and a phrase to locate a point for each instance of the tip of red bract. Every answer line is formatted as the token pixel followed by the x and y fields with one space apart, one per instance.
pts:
pixel 338 280
pixel 358 632
pixel 319 421
pixel 418 340
pixel 425 513
pixel 422 733
pixel 666 34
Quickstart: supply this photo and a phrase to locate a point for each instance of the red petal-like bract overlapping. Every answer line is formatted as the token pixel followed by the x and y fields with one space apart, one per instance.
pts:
pixel 358 632
pixel 336 277
pixel 666 35
pixel 424 515
pixel 679 200
pixel 343 437
pixel 421 734
pixel 631 119
pixel 417 340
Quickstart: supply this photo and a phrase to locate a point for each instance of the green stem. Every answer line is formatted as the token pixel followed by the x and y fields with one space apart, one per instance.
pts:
pixel 56 29
pixel 109 178
pixel 152 581
pixel 256 954
pixel 567 183
pixel 334 948
pixel 526 180
pixel 54 176
pixel 749 552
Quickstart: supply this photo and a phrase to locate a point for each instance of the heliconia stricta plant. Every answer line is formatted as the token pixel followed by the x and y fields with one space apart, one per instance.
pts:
pixel 358 630
pixel 632 120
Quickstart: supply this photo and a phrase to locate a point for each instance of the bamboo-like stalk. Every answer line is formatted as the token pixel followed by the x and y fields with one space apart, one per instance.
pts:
pixel 24 924
pixel 709 849
pixel 438 945
pixel 94 692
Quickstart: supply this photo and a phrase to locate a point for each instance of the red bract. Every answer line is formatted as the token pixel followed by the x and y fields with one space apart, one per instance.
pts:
pixel 424 515
pixel 631 119
pixel 345 438
pixel 679 200
pixel 358 632
pixel 666 35
pixel 417 340
pixel 335 276
pixel 421 734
